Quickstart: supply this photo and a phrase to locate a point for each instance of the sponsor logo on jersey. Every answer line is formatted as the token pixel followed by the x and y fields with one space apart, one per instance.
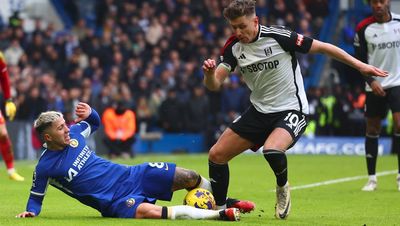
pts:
pixel 300 39
pixel 386 45
pixel 130 202
pixel 74 143
pixel 78 164
pixel 266 65
pixel 242 56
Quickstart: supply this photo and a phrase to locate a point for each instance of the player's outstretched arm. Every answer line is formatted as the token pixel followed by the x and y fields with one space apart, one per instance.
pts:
pixel 26 214
pixel 342 56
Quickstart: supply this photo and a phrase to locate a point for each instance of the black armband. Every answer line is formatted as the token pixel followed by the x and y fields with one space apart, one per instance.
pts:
pixel 369 79
pixel 164 212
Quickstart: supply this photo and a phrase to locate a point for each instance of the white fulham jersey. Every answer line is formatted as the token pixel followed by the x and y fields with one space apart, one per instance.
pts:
pixel 378 44
pixel 270 68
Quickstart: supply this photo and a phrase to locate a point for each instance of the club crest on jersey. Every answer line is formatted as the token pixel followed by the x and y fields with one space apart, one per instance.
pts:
pixel 268 51
pixel 130 202
pixel 300 39
pixel 74 143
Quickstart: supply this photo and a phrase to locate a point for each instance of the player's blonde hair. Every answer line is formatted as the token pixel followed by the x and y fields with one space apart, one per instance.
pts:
pixel 238 8
pixel 45 120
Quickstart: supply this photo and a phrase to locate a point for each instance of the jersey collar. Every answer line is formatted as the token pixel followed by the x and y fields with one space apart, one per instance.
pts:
pixel 258 34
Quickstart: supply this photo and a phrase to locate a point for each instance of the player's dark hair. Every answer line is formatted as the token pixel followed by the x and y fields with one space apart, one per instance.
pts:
pixel 238 8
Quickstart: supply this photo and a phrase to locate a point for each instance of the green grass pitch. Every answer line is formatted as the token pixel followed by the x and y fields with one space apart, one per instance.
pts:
pixel 252 179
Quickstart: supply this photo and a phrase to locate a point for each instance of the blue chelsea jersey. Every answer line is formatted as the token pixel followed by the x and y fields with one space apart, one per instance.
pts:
pixel 77 171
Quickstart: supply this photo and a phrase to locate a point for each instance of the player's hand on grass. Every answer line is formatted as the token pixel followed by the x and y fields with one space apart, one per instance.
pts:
pixel 26 214
pixel 82 111
pixel 11 109
pixel 377 89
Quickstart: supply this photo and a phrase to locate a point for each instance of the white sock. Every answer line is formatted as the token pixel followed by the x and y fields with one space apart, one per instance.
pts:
pixel 189 212
pixel 10 171
pixel 372 177
pixel 221 207
pixel 205 184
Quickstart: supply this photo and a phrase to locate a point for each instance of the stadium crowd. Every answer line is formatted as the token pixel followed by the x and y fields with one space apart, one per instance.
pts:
pixel 148 55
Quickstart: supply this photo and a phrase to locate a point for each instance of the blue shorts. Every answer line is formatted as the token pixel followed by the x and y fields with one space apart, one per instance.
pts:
pixel 147 182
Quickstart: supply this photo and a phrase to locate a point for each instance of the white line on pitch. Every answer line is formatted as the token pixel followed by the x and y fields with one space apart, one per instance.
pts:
pixel 340 180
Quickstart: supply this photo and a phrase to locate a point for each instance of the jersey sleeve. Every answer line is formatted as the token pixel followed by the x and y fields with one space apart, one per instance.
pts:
pixel 360 46
pixel 291 41
pixel 87 126
pixel 226 57
pixel 38 191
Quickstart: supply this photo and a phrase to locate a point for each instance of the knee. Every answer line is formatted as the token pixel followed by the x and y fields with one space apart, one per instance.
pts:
pixel 217 156
pixel 373 130
pixel 151 214
pixel 149 211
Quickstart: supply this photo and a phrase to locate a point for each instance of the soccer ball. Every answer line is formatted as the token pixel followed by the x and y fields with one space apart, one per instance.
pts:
pixel 200 198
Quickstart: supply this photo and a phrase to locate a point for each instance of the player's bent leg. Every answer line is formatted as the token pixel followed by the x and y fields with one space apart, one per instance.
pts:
pixel 279 139
pixel 229 145
pixel 7 154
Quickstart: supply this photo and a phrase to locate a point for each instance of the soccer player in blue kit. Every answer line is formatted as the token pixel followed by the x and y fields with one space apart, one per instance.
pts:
pixel 115 190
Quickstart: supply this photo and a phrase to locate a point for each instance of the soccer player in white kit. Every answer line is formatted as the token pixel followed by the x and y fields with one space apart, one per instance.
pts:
pixel 265 56
pixel 377 42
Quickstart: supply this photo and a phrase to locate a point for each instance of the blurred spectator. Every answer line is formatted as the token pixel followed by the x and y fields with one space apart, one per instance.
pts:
pixel 197 111
pixel 30 104
pixel 171 113
pixel 13 53
pixel 234 96
pixel 318 112
pixel 120 128
pixel 145 116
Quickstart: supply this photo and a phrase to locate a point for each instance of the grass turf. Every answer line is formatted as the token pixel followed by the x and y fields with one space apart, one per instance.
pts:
pixel 252 179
